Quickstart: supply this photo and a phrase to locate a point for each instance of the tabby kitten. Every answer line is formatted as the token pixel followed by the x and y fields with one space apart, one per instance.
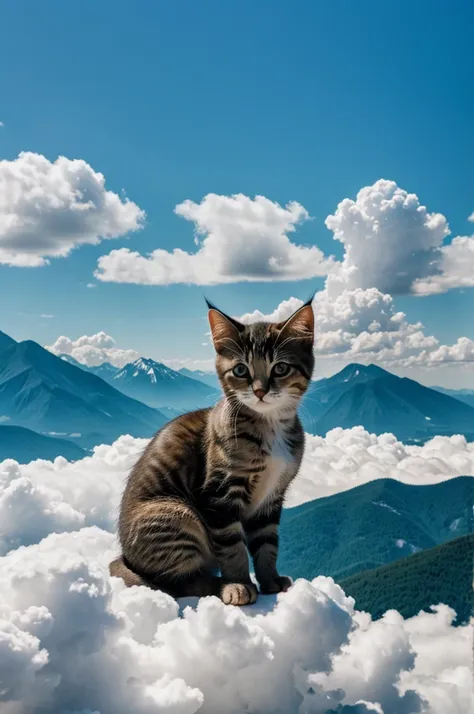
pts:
pixel 211 483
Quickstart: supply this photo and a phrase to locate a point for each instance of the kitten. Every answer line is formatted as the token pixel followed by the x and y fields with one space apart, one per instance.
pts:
pixel 211 483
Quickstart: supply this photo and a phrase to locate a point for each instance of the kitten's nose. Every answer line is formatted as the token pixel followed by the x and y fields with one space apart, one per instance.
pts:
pixel 260 393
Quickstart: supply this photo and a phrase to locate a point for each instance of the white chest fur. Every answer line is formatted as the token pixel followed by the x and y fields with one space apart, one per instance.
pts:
pixel 277 465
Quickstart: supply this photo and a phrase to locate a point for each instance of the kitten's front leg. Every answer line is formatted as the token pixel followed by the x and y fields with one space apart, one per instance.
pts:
pixel 262 538
pixel 222 516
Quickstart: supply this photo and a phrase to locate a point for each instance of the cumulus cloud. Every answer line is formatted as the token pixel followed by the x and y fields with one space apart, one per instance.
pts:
pixel 45 497
pixel 68 631
pixel 346 458
pixel 237 239
pixel 48 208
pixel 93 350
pixel 364 326
pixel 456 268
pixel 390 240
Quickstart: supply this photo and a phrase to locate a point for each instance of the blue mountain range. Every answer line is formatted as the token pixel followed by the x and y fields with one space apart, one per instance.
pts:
pixel 464 395
pixel 89 405
pixel 209 378
pixel 372 525
pixel 157 385
pixel 42 392
pixel 25 445
pixel 382 402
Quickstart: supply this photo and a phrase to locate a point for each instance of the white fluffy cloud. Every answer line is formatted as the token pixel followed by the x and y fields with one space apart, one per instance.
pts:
pixel 363 326
pixel 391 243
pixel 48 208
pixel 44 497
pixel 237 238
pixel 93 350
pixel 457 268
pixel 67 630
pixel 390 239
pixel 346 458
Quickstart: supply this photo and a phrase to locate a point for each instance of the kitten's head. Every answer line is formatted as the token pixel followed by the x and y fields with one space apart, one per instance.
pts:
pixel 268 365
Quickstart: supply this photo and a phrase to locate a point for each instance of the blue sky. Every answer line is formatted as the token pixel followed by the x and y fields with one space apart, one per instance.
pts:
pixel 304 101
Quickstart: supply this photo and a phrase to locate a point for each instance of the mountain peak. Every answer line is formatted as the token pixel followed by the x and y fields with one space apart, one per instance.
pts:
pixel 6 341
pixel 354 370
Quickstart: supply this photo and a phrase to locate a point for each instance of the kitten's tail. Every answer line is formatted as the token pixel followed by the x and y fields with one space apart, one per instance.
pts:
pixel 198 584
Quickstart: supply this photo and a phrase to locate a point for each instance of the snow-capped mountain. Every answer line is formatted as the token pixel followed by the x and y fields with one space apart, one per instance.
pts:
pixel 48 394
pixel 382 402
pixel 157 385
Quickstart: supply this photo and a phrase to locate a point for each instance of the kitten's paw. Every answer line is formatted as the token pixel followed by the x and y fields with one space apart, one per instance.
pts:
pixel 238 593
pixel 281 583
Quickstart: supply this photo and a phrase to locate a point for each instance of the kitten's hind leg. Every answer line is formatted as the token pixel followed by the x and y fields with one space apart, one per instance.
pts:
pixel 197 584
pixel 118 569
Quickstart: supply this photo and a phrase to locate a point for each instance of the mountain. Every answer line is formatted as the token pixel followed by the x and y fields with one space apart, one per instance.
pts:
pixel 372 525
pixel 156 385
pixel 6 341
pixel 24 445
pixel 382 402
pixel 209 378
pixel 463 395
pixel 440 574
pixel 105 371
pixel 45 393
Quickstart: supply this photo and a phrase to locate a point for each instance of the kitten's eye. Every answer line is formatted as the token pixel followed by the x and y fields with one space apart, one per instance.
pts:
pixel 240 370
pixel 281 369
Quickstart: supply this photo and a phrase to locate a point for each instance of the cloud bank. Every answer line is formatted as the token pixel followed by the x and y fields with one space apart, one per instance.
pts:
pixel 391 242
pixel 49 208
pixel 67 630
pixel 73 640
pixel 237 238
pixel 93 350
pixel 45 497
pixel 363 326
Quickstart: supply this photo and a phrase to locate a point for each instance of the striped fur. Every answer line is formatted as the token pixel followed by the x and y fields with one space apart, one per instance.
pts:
pixel 210 485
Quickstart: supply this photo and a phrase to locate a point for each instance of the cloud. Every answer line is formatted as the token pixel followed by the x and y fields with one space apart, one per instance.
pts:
pixel 390 240
pixel 237 239
pixel 93 350
pixel 46 317
pixel 284 310
pixel 67 631
pixel 456 268
pixel 45 497
pixel 364 326
pixel 49 208
pixel 346 458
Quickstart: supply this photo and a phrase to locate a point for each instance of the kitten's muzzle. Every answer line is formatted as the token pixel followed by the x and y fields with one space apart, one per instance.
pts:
pixel 260 393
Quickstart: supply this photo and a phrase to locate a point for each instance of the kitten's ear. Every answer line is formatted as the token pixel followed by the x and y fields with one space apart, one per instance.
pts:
pixel 223 327
pixel 300 324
